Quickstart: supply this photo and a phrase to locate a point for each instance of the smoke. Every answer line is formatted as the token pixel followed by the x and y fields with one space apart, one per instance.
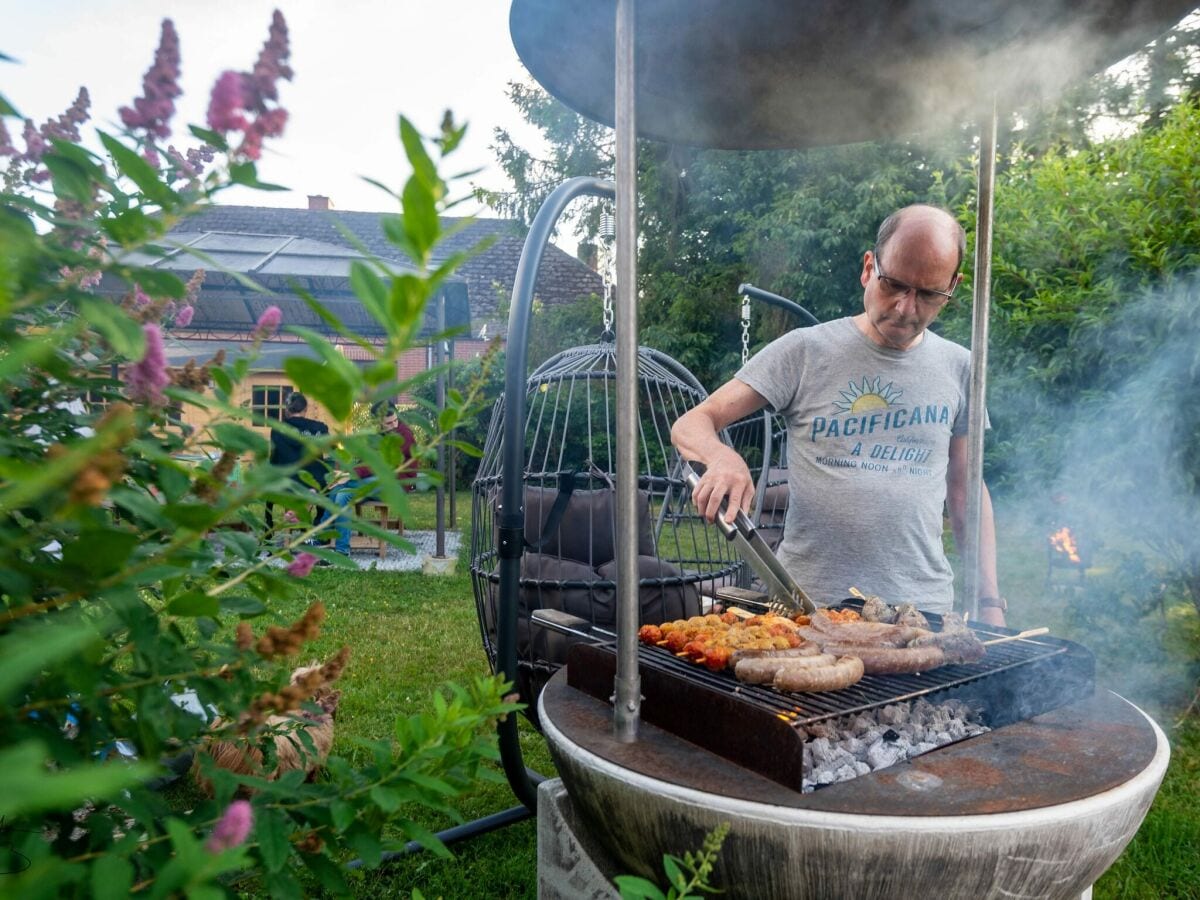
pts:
pixel 1119 464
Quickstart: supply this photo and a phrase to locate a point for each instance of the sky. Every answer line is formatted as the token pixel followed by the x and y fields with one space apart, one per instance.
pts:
pixel 358 66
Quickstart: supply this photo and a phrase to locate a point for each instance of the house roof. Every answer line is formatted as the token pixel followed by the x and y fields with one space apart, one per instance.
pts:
pixel 321 238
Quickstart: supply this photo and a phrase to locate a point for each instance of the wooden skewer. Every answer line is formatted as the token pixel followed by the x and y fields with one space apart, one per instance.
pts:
pixel 1032 632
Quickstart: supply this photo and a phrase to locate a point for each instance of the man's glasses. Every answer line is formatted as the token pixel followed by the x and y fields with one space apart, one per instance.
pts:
pixel 894 288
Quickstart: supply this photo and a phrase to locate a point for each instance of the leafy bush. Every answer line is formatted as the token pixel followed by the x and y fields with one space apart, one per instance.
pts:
pixel 124 566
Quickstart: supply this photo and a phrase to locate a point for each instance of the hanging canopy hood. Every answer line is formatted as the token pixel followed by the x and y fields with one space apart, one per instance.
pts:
pixel 773 74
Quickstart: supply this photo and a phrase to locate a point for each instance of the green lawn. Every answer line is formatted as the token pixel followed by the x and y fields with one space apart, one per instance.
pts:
pixel 410 633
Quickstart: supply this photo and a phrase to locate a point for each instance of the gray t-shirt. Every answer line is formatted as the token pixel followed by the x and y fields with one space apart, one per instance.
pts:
pixel 869 433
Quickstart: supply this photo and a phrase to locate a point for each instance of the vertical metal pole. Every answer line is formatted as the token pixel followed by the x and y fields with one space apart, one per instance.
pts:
pixel 452 477
pixel 627 701
pixel 979 349
pixel 439 358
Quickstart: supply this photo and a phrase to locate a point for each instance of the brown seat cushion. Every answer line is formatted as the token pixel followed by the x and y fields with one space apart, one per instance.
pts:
pixel 657 602
pixel 586 532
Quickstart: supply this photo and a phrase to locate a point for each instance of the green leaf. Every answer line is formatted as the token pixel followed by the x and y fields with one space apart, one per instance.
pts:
pixel 634 888
pixel 70 179
pixel 323 383
pixel 343 814
pixel 214 139
pixel 242 605
pixel 27 651
pixel 369 288
pixel 366 845
pixel 27 786
pixel 240 439
pixel 246 174
pixel 25 353
pixel 674 875
pixel 425 838
pixel 420 218
pixel 194 603
pixel 6 108
pixel 139 172
pixel 271 831
pixel 199 516
pixel 101 551
pixel 414 148
pixel 123 333
pixel 385 798
pixel 158 283
pixel 130 227
pixel 112 877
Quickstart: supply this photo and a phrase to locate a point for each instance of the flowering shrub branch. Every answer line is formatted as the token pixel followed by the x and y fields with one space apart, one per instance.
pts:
pixel 130 575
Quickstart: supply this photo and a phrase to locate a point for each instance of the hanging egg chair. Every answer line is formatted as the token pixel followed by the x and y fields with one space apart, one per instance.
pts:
pixel 566 464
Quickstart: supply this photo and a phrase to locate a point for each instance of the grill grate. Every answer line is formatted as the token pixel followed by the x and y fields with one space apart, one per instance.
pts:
pixel 764 729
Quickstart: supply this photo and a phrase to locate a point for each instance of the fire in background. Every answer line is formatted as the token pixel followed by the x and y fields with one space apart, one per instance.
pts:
pixel 1062 541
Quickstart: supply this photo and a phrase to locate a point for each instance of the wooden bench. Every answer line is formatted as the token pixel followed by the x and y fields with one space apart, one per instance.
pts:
pixel 382 516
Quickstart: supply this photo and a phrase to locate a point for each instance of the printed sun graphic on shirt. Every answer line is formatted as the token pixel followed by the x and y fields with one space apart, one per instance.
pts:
pixel 868 396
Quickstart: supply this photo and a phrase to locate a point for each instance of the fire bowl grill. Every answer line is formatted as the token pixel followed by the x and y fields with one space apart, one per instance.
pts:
pixel 764 730
pixel 1039 808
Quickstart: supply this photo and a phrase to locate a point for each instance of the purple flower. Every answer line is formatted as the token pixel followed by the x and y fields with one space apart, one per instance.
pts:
pixel 226 103
pixel 183 318
pixel 301 565
pixel 268 323
pixel 233 827
pixel 152 111
pixel 290 517
pixel 145 379
pixel 140 299
pixel 150 155
pixel 66 126
pixel 244 101
pixel 7 147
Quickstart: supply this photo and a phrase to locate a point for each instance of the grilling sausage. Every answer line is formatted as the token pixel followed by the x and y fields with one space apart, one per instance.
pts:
pixel 842 673
pixel 764 669
pixel 892 660
pixel 807 648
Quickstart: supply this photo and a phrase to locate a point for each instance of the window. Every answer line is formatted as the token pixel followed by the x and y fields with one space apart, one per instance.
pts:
pixel 267 400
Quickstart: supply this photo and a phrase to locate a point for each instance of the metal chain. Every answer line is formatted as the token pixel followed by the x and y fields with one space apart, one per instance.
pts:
pixel 608 264
pixel 745 330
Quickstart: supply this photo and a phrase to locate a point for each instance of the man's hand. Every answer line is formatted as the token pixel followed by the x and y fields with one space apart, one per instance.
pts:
pixel 726 475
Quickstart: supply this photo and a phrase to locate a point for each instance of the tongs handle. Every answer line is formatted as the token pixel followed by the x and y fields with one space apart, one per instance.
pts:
pixel 692 478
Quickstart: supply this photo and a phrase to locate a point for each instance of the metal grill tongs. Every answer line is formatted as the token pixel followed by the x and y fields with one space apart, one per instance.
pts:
pixel 784 595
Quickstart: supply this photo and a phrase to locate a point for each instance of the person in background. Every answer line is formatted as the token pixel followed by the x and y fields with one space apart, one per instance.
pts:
pixel 287 450
pixel 351 490
pixel 876 407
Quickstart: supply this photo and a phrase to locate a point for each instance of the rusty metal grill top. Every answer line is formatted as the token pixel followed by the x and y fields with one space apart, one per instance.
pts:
pixel 871 692
pixel 763 729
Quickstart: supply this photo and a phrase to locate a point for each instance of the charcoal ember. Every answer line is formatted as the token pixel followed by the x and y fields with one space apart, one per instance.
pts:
pixel 891 735
pixel 824 776
pixel 845 773
pixel 824 730
pixel 854 746
pixel 957 729
pixel 923 747
pixel 861 768
pixel 882 754
pixel 943 737
pixel 893 714
pixel 823 751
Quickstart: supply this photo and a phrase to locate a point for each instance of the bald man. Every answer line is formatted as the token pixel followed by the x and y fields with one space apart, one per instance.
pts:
pixel 876 408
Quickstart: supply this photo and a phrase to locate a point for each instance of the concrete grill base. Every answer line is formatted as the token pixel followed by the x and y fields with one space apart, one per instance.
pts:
pixel 1005 840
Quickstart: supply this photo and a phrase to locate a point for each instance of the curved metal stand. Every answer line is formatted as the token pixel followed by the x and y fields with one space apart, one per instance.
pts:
pixel 511 518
